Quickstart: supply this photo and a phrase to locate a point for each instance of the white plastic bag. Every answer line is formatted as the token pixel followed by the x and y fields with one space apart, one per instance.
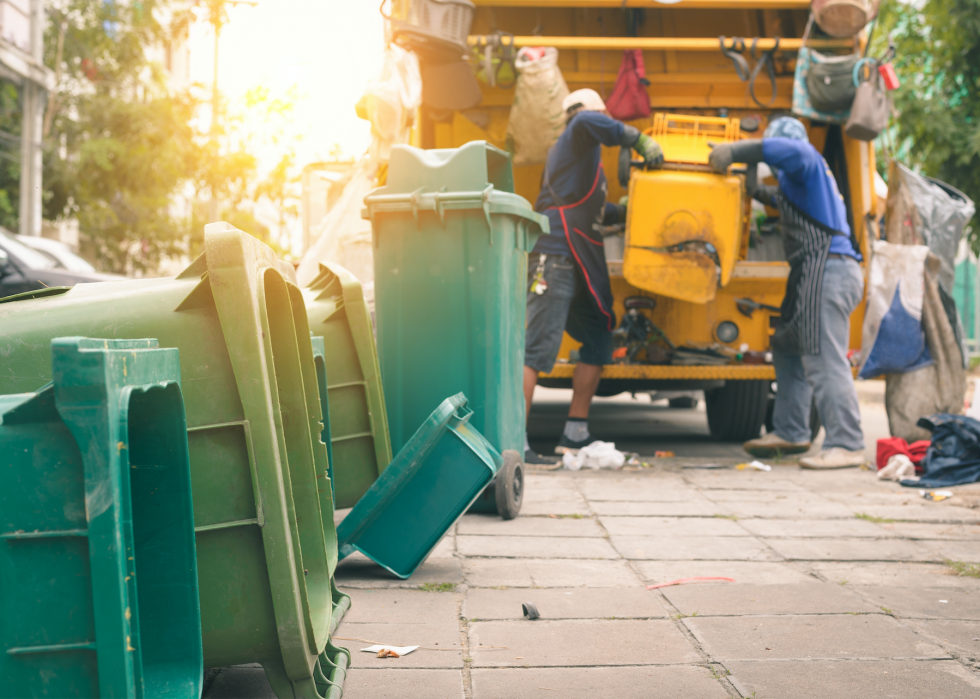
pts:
pixel 596 455
pixel 536 117
pixel 389 102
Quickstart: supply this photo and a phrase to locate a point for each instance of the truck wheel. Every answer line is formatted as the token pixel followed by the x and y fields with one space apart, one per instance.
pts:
pixel 737 410
pixel 510 485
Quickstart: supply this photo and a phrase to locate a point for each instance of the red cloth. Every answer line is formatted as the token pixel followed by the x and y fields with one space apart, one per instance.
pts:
pixel 887 448
pixel 629 98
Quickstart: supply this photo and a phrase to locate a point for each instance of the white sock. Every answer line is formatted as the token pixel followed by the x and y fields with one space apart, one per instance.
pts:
pixel 577 429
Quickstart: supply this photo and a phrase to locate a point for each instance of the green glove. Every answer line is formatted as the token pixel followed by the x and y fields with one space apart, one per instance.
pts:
pixel 650 151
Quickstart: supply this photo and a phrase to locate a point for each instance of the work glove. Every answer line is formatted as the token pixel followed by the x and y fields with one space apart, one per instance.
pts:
pixel 649 150
pixel 724 154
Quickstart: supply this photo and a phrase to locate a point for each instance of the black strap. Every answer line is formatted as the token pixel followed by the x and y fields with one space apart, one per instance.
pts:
pixel 735 54
pixel 554 196
pixel 767 59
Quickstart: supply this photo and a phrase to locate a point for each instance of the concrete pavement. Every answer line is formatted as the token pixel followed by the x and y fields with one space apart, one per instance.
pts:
pixel 843 585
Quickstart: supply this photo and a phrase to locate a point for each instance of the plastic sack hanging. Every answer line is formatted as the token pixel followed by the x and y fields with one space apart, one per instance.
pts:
pixel 389 102
pixel 536 117
pixel 893 337
pixel 629 99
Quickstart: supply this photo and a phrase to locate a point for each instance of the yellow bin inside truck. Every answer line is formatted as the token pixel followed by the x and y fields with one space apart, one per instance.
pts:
pixel 690 242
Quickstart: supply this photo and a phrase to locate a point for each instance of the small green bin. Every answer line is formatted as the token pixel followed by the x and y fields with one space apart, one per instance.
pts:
pixel 358 425
pixel 263 510
pixel 419 497
pixel 98 570
pixel 450 271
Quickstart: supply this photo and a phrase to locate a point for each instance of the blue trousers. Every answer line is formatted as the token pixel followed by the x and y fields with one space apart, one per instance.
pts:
pixel 824 379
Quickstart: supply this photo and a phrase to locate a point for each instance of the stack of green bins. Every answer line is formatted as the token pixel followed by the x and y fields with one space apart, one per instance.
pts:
pixel 263 510
pixel 358 424
pixel 98 572
pixel 450 268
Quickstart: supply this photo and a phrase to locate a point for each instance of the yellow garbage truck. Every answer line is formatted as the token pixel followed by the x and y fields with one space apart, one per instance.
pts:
pixel 698 265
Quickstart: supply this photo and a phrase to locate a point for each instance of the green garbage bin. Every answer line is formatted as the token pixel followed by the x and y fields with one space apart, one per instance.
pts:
pixel 419 497
pixel 263 510
pixel 98 572
pixel 358 425
pixel 450 268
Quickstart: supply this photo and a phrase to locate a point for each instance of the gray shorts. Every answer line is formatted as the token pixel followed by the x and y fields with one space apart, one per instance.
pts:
pixel 565 306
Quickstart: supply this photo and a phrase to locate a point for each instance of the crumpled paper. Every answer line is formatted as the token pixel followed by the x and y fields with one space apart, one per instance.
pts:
pixel 595 456
pixel 898 468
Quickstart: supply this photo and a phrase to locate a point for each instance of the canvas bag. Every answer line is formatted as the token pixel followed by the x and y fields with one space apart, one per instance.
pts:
pixel 536 117
pixel 869 112
pixel 830 81
pixel 629 99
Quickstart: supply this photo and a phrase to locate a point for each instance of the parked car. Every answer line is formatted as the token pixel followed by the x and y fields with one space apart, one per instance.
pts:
pixel 22 268
pixel 62 255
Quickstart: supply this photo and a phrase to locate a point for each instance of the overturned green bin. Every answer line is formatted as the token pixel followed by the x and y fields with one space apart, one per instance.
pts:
pixel 450 267
pixel 98 572
pixel 347 363
pixel 263 510
pixel 429 485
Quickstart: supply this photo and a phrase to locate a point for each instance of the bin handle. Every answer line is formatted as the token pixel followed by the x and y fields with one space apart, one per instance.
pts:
pixel 461 416
pixel 486 210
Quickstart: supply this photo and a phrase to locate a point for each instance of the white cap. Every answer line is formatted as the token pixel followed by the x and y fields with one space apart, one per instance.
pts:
pixel 587 100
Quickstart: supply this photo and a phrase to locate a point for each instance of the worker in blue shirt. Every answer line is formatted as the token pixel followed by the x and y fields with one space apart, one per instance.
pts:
pixel 825 285
pixel 568 282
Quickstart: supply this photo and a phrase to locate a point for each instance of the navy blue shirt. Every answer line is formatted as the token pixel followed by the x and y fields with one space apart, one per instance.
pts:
pixel 573 163
pixel 806 180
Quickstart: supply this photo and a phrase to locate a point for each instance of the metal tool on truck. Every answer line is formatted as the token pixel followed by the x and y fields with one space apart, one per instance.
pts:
pixel 691 250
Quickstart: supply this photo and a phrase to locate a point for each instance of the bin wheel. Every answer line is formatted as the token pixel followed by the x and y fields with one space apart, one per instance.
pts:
pixel 737 410
pixel 510 485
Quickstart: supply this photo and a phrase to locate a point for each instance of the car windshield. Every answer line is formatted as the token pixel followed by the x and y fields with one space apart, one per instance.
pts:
pixel 70 261
pixel 32 258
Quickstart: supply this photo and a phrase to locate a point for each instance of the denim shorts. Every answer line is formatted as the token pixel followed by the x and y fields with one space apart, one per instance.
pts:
pixel 565 306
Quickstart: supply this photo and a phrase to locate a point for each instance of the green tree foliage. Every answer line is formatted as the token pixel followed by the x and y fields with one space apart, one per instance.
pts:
pixel 938 104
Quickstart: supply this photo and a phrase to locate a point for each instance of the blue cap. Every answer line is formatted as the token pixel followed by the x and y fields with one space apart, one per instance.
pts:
pixel 786 127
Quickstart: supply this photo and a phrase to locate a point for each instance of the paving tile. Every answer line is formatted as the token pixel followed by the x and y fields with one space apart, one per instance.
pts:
pixel 358 570
pixel 564 603
pixel 894 575
pixel 743 571
pixel 674 682
pixel 955 550
pixel 777 496
pixel 786 509
pixel 690 548
pixel 432 638
pixel 698 507
pixel 637 490
pixel 557 572
pixel 555 506
pixel 671 526
pixel 535 547
pixel 789 528
pixel 858 680
pixel 578 642
pixel 445 548
pixel 920 530
pixel 960 637
pixel 806 637
pixel 738 600
pixel 924 602
pixel 818 549
pixel 934 512
pixel 492 525
pixel 398 684
pixel 400 606
pixel 742 480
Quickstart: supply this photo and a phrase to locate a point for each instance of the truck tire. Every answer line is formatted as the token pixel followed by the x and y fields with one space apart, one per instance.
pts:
pixel 509 489
pixel 737 410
